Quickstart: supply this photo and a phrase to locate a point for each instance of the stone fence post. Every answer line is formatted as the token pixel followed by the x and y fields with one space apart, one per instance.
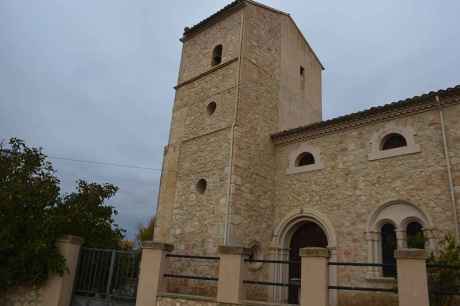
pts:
pixel 232 271
pixel 314 280
pixel 57 290
pixel 152 268
pixel 412 277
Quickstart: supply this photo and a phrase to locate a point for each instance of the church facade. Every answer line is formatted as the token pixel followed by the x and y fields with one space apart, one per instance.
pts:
pixel 251 162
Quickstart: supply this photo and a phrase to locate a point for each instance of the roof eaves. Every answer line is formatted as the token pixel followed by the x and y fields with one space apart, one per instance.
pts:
pixel 365 113
pixel 188 31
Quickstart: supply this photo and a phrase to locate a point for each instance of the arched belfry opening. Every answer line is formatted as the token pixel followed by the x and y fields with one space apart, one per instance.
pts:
pixel 307 234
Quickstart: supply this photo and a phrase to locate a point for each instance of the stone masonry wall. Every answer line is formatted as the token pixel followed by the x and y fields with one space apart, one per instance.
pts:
pixel 253 170
pixel 197 51
pixel 346 191
pixel 21 297
pixel 350 187
pixel 190 120
pixel 257 116
pixel 452 115
pixel 184 300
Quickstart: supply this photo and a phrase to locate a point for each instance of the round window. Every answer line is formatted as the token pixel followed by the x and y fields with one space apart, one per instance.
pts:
pixel 211 108
pixel 201 186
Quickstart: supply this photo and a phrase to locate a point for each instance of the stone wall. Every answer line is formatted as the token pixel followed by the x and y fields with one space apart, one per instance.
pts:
pixel 451 116
pixel 258 91
pixel 22 297
pixel 197 50
pixel 195 131
pixel 184 300
pixel 350 187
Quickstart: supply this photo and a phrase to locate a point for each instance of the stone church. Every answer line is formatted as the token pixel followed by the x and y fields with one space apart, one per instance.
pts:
pixel 250 160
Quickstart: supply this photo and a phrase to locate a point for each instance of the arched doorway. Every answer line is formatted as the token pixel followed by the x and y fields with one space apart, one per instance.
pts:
pixel 308 234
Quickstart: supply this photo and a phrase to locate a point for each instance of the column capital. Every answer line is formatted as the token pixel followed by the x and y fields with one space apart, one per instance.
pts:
pixel 156 245
pixel 314 252
pixel 411 254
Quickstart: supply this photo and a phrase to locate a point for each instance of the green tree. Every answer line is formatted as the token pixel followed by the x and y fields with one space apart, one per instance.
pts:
pixel 145 232
pixel 33 215
pixel 83 213
pixel 445 280
pixel 29 193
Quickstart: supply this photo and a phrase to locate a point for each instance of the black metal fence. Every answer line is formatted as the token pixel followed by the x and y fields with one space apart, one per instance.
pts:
pixel 277 284
pixel 365 265
pixel 283 289
pixel 192 276
pixel 107 274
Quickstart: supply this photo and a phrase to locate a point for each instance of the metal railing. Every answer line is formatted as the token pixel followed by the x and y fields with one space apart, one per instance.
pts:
pixel 191 276
pixel 278 290
pixel 276 284
pixel 363 264
pixel 107 274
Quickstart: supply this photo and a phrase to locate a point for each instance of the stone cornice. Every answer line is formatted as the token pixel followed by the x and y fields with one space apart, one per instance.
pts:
pixel 155 245
pixel 391 111
pixel 215 68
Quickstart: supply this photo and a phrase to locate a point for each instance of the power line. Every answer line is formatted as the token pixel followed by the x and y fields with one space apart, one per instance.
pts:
pixel 94 162
pixel 102 163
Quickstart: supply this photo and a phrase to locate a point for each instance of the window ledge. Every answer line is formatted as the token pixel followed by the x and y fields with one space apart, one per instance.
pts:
pixel 301 169
pixel 394 152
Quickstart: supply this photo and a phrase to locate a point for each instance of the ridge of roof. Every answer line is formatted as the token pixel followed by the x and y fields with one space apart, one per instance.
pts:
pixel 226 9
pixel 367 112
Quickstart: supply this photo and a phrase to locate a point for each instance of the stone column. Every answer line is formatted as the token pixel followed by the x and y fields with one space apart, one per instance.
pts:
pixel 412 277
pixel 57 291
pixel 314 289
pixel 333 276
pixel 153 266
pixel 232 271
pixel 275 275
pixel 430 242
pixel 373 239
pixel 401 238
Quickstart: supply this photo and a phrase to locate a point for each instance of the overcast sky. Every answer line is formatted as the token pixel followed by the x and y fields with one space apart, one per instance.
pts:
pixel 93 79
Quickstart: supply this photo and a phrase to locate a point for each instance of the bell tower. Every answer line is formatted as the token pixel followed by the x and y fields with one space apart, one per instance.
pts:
pixel 246 72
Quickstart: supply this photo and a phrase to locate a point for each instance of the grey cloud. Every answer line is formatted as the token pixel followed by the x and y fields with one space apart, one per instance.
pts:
pixel 93 79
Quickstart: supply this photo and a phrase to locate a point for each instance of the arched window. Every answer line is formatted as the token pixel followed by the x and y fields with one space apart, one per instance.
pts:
pixel 397 224
pixel 305 159
pixel 388 241
pixel 217 55
pixel 393 141
pixel 414 236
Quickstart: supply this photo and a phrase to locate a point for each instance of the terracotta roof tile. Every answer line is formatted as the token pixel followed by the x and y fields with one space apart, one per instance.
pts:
pixel 202 23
